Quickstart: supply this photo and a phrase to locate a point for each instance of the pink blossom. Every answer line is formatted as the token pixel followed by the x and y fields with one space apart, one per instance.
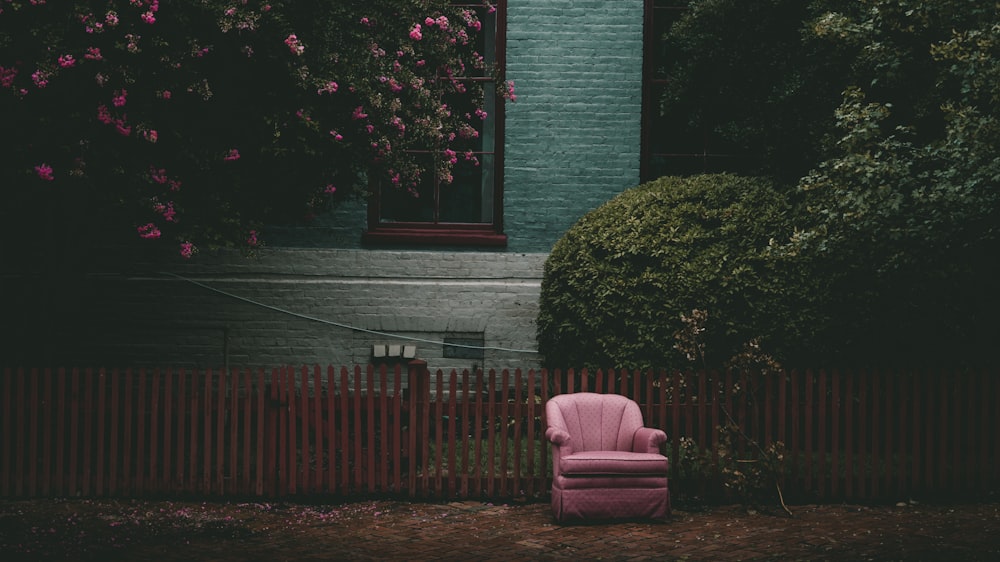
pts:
pixel 359 113
pixel 169 213
pixel 158 175
pixel 149 231
pixel 366 22
pixel 187 250
pixel 123 128
pixel 252 239
pixel 119 98
pixel 232 155
pixel 150 135
pixel 111 18
pixel 7 76
pixel 148 18
pixel 294 45
pixel 415 33
pixel 66 61
pixel 442 22
pixel 336 135
pixel 93 53
pixel 103 114
pixel 44 172
pixel 165 94
pixel 480 113
pixel 330 189
pixel 40 78
pixel 328 88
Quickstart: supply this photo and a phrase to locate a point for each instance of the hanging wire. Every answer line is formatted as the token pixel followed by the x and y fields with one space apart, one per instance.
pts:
pixel 342 325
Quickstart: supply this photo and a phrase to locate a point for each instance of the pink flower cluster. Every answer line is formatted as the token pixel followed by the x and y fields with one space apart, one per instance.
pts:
pixel 7 76
pixel 149 231
pixel 294 45
pixel 165 209
pixel 40 78
pixel 441 22
pixel 44 172
pixel 232 155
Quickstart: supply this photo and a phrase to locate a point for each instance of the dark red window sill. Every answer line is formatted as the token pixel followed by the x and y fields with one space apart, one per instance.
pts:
pixel 435 237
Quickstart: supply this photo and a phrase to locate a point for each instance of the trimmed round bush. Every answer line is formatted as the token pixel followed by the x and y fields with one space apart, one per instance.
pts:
pixel 617 283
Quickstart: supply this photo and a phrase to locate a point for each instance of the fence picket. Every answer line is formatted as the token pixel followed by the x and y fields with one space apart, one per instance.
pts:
pixel 101 409
pixel 154 433
pixel 835 424
pixel 397 430
pixel 370 425
pixel 453 442
pixel 46 458
pixel 60 435
pixel 466 433
pixel 140 442
pixel 387 437
pixel 491 432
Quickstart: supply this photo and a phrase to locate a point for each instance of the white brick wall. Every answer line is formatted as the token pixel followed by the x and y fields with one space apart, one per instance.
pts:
pixel 168 319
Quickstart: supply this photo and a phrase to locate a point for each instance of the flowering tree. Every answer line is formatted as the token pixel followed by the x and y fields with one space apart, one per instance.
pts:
pixel 198 121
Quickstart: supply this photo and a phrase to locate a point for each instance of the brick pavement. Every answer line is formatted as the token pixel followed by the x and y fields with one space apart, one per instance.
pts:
pixel 393 530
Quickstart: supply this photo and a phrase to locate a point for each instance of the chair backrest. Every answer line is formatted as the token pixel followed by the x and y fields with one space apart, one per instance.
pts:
pixel 595 422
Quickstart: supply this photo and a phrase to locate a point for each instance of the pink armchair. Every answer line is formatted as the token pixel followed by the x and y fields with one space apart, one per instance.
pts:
pixel 605 464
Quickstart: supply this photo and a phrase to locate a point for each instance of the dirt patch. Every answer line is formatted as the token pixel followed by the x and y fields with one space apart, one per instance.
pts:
pixel 378 530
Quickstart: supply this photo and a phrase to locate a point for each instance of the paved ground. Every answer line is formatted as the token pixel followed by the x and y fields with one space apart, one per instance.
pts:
pixel 393 530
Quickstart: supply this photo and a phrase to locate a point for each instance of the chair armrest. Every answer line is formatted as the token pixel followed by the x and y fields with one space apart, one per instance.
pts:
pixel 648 440
pixel 557 436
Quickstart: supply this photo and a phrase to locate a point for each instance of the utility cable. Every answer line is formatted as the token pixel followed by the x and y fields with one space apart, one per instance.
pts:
pixel 341 325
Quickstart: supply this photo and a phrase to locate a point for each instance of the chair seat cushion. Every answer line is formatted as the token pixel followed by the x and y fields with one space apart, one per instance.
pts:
pixel 586 463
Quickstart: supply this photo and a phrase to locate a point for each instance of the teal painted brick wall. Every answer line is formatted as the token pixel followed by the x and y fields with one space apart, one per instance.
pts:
pixel 573 135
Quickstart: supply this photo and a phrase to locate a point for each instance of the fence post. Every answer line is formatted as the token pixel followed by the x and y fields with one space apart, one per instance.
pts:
pixel 417 390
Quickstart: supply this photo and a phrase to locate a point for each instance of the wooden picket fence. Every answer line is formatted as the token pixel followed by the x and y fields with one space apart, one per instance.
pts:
pixel 410 433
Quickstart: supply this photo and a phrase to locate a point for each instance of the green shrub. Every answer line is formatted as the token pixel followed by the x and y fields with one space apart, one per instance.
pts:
pixel 617 283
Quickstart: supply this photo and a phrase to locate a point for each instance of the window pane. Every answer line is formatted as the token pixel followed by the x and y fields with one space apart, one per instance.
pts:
pixel 399 204
pixel 463 199
pixel 664 15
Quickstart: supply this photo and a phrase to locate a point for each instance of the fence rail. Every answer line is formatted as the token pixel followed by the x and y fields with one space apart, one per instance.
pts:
pixel 347 432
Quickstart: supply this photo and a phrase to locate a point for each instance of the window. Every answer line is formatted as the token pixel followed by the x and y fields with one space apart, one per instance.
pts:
pixel 671 143
pixel 469 209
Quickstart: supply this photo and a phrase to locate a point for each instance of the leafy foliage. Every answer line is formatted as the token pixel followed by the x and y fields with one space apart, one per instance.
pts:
pixel 200 120
pixel 906 206
pixel 618 285
pixel 885 113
